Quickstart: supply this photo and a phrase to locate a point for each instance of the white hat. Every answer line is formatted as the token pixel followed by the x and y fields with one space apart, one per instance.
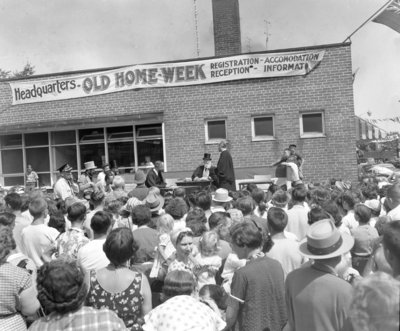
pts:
pixel 373 204
pixel 89 165
pixel 221 195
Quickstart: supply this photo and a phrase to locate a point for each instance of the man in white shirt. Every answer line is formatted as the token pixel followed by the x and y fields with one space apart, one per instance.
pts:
pixel 298 214
pixel 38 239
pixel 284 250
pixel 393 202
pixel 65 187
pixel 349 200
pixel 92 256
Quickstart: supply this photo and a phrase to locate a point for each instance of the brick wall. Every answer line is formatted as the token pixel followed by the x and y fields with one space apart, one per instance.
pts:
pixel 226 27
pixel 328 88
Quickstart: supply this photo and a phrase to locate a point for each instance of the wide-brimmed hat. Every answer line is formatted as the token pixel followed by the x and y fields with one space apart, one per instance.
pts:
pixel 221 195
pixel 139 177
pixel 89 165
pixel 65 168
pixel 324 241
pixel 154 201
pixel 373 204
pixel 207 156
pixel 132 203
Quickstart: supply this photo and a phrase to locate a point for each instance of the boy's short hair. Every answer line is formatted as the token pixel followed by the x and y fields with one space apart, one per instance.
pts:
pixel 37 207
pixel 277 219
pixel 13 200
pixel 76 211
pixel 101 222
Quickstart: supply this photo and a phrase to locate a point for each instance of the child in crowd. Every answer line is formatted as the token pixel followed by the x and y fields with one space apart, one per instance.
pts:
pixel 215 297
pixel 208 260
pixel 365 237
pixel 165 249
pixel 69 242
pixel 57 221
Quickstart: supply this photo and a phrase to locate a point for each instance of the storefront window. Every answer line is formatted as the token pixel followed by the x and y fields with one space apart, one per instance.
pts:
pixel 92 152
pixel 12 161
pixel 38 158
pixel 64 154
pixel 11 140
pixel 37 139
pixel 63 137
pixel 151 149
pixel 121 154
pixel 13 181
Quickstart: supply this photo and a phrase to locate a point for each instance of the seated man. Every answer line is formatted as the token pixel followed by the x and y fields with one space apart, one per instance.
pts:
pixel 155 177
pixel 206 171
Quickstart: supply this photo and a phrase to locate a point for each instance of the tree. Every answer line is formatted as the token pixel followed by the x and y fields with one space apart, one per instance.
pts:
pixel 27 71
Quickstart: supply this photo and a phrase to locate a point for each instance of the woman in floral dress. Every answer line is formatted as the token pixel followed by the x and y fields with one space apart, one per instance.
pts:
pixel 118 288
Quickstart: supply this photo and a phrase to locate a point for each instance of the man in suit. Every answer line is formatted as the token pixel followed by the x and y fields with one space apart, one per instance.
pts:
pixel 226 174
pixel 206 171
pixel 155 177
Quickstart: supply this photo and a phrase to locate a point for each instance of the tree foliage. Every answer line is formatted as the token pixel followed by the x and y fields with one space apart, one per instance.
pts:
pixel 27 71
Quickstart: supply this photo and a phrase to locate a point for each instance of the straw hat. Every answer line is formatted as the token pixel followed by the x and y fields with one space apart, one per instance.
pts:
pixel 221 195
pixel 140 177
pixel 324 241
pixel 154 201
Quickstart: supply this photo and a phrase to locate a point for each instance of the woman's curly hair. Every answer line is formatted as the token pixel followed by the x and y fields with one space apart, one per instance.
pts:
pixel 7 242
pixel 61 286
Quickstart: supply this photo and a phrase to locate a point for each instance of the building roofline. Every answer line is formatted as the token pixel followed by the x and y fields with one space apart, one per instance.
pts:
pixel 86 71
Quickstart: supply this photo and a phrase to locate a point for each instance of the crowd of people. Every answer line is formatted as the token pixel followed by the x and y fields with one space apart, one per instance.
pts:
pixel 302 256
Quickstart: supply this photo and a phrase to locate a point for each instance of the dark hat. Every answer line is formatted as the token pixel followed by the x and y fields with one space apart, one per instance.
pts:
pixel 65 168
pixel 207 156
pixel 292 145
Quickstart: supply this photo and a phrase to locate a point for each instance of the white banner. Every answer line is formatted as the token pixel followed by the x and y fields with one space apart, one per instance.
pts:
pixel 167 74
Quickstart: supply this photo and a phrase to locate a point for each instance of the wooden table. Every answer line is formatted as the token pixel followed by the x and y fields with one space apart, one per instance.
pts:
pixel 242 185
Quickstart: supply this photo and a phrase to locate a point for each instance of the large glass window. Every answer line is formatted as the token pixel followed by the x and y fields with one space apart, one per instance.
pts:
pixel 64 154
pixel 92 152
pixel 149 143
pixel 36 139
pixel 12 161
pixel 38 158
pixel 11 140
pixel 63 137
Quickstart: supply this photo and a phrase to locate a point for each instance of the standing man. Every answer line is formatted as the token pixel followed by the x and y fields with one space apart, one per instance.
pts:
pixel 65 187
pixel 316 297
pixel 85 181
pixel 206 171
pixel 225 171
pixel 32 178
pixel 296 158
pixel 155 177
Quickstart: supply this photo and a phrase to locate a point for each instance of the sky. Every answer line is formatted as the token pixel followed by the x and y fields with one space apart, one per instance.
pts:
pixel 68 35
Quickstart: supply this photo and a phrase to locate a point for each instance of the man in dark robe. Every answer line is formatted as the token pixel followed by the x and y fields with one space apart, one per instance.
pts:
pixel 155 177
pixel 206 171
pixel 226 174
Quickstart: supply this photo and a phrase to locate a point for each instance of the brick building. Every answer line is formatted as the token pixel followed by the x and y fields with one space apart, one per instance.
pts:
pixel 259 116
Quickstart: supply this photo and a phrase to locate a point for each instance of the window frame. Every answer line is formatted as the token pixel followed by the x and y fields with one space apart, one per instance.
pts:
pixel 214 140
pixel 312 134
pixel 254 137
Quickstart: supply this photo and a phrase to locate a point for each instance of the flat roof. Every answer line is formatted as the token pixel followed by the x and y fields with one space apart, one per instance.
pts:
pixel 67 73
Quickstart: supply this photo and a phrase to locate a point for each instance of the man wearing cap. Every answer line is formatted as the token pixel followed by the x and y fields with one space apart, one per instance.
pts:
pixel 225 171
pixel 65 187
pixel 206 171
pixel 141 190
pixel 155 176
pixel 85 181
pixel 316 297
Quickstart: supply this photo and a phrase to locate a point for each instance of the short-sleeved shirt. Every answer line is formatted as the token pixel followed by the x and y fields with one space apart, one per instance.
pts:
pixel 147 240
pixel 92 257
pixel 317 300
pixel 259 286
pixel 13 280
pixel 69 243
pixel 298 221
pixel 86 318
pixel 365 237
pixel 183 313
pixel 36 239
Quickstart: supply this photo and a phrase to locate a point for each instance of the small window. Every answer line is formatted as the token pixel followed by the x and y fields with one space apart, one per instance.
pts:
pixel 63 137
pixel 11 140
pixel 312 125
pixel 262 127
pixel 88 135
pixel 36 139
pixel 215 130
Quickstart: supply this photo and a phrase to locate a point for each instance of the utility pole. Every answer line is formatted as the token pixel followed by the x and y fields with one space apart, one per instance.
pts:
pixel 267 34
